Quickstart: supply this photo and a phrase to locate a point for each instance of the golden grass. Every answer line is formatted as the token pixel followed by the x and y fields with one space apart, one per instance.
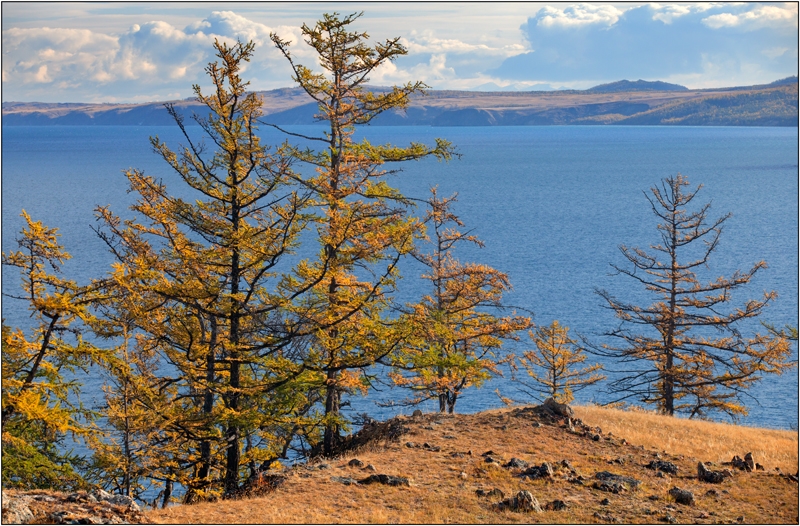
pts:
pixel 706 441
pixel 443 483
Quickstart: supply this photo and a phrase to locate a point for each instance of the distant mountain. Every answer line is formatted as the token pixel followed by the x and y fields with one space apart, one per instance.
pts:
pixel 636 85
pixel 624 102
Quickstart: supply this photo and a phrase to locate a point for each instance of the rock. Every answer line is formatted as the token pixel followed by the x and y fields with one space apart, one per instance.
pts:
pixel 669 518
pixel 370 467
pixel 355 463
pixel 660 474
pixel 556 505
pixel 389 480
pixel 449 437
pixel 496 492
pixel 536 424
pixel 737 463
pixel 607 519
pixel 463 475
pixel 682 496
pixel 522 501
pixel 749 463
pixel 416 413
pixel 516 463
pixel 711 493
pixel 557 409
pixel 117 500
pixel 566 464
pixel 654 497
pixel 661 465
pixel 488 453
pixel 706 475
pixel 596 438
pixel 324 466
pixel 347 481
pixel 490 460
pixel 759 467
pixel 613 481
pixel 411 444
pixel 605 502
pixel 16 510
pixel 537 472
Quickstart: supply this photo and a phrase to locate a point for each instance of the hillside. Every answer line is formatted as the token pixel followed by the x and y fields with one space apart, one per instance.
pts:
pixel 458 469
pixel 624 102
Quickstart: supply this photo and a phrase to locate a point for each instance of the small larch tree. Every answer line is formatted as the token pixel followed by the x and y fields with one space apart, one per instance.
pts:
pixel 554 365
pixel 363 224
pixel 456 332
pixel 685 353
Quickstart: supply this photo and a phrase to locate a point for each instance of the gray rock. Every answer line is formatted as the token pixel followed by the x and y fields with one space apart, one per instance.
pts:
pixel 556 505
pixel 605 502
pixel 370 467
pixel 16 510
pixel 324 466
pixel 347 481
pixel 416 413
pixel 536 424
pixel 662 465
pixel 707 475
pixel 596 438
pixel 537 472
pixel 411 444
pixel 612 478
pixel 558 409
pixel 389 480
pixel 356 463
pixel 682 496
pixel 516 463
pixel 494 492
pixel 566 464
pixel 522 502
pixel 669 518
pixel 749 463
pixel 607 519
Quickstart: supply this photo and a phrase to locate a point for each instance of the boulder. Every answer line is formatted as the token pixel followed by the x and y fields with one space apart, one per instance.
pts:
pixel 556 408
pixel 416 413
pixel 389 480
pixel 356 463
pixel 749 463
pixel 521 502
pixel 537 472
pixel 682 496
pixel 707 475
pixel 16 510
pixel 515 463
pixel 556 505
pixel 662 465
pixel 628 482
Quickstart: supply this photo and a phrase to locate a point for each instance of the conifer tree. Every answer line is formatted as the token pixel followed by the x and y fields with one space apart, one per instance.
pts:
pixel 40 405
pixel 455 335
pixel 551 365
pixel 199 280
pixel 684 353
pixel 363 226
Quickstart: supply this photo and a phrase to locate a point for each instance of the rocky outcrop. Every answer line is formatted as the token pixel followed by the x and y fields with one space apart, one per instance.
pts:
pixel 389 480
pixel 707 475
pixel 663 466
pixel 47 507
pixel 523 501
pixel 614 483
pixel 682 496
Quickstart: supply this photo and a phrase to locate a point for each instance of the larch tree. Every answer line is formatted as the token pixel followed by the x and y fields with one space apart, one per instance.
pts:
pixel 40 403
pixel 455 333
pixel 199 280
pixel 363 224
pixel 686 353
pixel 554 365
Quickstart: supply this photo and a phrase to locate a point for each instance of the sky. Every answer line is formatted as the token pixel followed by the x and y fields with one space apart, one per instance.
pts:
pixel 156 51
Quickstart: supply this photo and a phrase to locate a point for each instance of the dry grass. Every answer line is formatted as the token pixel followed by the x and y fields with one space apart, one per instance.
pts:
pixel 443 483
pixel 707 441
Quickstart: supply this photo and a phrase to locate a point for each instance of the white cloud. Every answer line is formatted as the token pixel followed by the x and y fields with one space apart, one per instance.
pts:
pixel 759 17
pixel 578 15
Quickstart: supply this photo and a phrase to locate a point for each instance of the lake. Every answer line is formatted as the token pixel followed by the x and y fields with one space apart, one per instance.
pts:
pixel 552 205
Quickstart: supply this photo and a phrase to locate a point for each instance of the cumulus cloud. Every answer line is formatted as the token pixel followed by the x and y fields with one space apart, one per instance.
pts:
pixel 655 41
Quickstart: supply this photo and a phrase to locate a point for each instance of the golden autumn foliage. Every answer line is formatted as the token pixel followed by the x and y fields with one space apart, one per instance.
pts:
pixel 41 403
pixel 363 225
pixel 694 359
pixel 455 335
pixel 551 365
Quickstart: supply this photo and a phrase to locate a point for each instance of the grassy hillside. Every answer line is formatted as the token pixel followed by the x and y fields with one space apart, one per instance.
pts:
pixel 446 467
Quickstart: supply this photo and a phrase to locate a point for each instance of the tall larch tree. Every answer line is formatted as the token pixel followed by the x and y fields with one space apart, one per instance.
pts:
pixel 363 225
pixel 685 353
pixel 455 332
pixel 40 369
pixel 199 280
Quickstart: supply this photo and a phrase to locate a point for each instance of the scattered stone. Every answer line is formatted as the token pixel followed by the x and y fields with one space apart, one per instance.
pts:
pixel 614 483
pixel 370 467
pixel 457 454
pixel 428 428
pixel 749 462
pixel 522 501
pixel 596 438
pixel 576 480
pixel 490 460
pixel 488 453
pixel 605 502
pixel 566 464
pixel 355 463
pixel 389 480
pixel 654 497
pixel 324 466
pixel 740 519
pixel 536 424
pixel 416 413
pixel 661 465
pixel 469 452
pixel 711 493
pixel 537 472
pixel 463 475
pixel 556 408
pixel 496 492
pixel 707 475
pixel 449 437
pixel 737 463
pixel 556 505
pixel 759 467
pixel 682 496
pixel 669 518
pixel 347 481
pixel 516 463
pixel 604 518
pixel 660 474
pixel 411 444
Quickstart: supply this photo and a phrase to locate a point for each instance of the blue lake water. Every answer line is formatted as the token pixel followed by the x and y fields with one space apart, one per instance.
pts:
pixel 552 204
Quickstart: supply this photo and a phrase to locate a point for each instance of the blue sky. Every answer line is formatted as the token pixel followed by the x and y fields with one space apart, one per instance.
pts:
pixel 136 52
